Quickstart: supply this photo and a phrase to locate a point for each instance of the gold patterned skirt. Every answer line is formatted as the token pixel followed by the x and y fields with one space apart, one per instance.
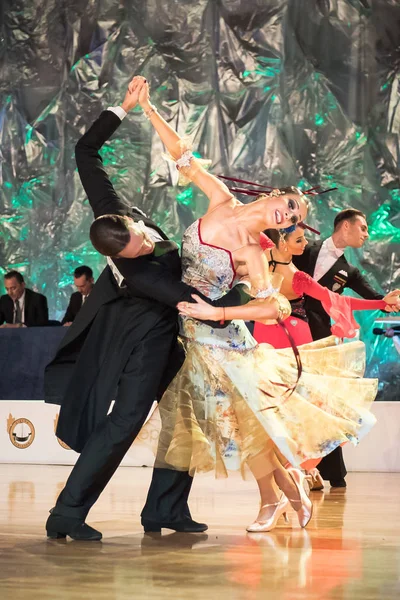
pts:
pixel 226 406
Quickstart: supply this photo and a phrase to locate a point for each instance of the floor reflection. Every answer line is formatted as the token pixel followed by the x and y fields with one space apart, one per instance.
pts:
pixel 342 555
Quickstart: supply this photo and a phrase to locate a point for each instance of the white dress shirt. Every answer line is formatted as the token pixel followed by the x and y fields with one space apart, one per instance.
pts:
pixel 327 257
pixel 21 302
pixel 117 275
pixel 118 110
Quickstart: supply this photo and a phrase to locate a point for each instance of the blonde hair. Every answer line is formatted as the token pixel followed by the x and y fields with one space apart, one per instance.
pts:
pixel 281 192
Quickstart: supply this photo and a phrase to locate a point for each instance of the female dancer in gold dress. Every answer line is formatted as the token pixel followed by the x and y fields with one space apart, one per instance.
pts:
pixel 233 403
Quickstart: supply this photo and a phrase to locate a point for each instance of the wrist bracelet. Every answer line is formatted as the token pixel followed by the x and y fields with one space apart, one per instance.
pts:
pixel 148 113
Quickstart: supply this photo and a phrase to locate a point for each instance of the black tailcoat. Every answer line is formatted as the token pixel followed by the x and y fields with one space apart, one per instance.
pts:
pixel 341 275
pixel 113 323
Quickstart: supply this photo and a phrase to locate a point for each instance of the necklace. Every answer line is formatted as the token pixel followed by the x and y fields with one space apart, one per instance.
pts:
pixel 274 262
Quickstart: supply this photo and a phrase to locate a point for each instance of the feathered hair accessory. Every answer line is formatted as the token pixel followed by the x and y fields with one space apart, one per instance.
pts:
pixel 270 191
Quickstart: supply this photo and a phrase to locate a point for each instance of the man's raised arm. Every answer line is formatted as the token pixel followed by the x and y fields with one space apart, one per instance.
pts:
pixel 101 194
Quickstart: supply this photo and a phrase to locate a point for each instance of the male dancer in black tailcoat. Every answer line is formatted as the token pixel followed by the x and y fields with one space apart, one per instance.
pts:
pixel 122 345
pixel 325 262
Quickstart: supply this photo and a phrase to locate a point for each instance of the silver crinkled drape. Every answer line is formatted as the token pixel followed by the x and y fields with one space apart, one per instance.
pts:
pixel 279 91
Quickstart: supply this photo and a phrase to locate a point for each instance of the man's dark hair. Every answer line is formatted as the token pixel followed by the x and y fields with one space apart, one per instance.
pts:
pixel 83 270
pixel 15 274
pixel 348 214
pixel 110 234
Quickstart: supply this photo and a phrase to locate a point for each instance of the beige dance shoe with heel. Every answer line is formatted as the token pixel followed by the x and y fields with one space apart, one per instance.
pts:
pixel 281 509
pixel 304 514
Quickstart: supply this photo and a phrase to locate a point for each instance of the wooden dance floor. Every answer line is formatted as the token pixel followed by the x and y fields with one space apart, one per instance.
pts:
pixel 350 550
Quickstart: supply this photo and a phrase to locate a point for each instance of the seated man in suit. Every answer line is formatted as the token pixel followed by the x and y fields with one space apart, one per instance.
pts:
pixel 21 306
pixel 122 345
pixel 84 282
pixel 326 263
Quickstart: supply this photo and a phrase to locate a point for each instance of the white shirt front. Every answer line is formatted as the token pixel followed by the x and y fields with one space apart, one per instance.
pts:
pixel 327 257
pixel 117 275
pixel 21 302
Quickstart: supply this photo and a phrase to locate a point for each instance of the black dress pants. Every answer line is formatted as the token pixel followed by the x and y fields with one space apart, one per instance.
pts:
pixel 139 385
pixel 331 467
pixel 168 495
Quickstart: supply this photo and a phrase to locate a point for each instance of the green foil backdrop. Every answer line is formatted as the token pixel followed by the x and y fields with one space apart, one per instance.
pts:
pixel 279 91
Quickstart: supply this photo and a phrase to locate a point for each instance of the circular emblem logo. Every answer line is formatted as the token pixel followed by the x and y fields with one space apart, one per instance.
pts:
pixel 22 433
pixel 62 444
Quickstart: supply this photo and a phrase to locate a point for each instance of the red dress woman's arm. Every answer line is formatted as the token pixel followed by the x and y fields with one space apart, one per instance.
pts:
pixel 340 308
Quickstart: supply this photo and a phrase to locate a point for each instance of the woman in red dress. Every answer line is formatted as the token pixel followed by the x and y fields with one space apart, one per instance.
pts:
pixel 280 262
pixel 288 244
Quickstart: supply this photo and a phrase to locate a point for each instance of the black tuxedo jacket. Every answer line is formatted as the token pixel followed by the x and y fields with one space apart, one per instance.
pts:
pixel 341 275
pixel 36 311
pixel 112 323
pixel 74 306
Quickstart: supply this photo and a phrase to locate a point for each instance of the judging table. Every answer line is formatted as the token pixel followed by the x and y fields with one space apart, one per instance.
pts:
pixel 28 425
pixel 24 354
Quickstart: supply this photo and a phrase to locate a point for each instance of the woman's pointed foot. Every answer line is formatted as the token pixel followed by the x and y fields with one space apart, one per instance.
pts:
pixel 267 524
pixel 302 505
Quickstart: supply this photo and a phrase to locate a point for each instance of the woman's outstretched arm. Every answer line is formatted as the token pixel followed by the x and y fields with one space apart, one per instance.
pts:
pixel 305 284
pixel 340 308
pixel 216 191
pixel 274 307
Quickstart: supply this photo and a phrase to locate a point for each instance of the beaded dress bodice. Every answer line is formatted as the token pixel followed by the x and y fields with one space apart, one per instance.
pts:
pixel 210 269
pixel 206 267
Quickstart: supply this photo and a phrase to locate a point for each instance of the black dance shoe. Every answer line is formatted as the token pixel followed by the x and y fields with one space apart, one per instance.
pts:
pixel 339 483
pixel 58 527
pixel 184 526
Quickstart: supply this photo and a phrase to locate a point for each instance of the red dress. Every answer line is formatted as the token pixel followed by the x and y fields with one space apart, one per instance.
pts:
pixel 340 309
pixel 296 324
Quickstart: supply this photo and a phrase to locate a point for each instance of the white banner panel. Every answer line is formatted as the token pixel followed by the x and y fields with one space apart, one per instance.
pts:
pixel 27 436
pixel 379 451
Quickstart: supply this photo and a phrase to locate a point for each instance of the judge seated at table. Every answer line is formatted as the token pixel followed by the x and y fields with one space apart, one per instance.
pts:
pixel 84 282
pixel 21 306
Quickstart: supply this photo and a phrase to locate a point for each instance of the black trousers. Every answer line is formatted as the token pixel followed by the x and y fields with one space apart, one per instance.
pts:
pixel 167 499
pixel 332 466
pixel 148 371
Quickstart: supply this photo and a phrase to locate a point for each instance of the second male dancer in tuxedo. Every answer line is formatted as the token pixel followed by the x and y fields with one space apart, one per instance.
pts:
pixel 326 263
pixel 122 345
